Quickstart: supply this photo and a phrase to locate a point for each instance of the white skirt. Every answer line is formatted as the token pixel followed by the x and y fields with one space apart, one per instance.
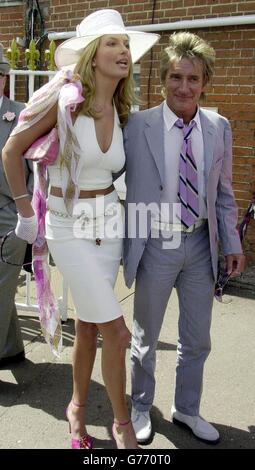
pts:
pixel 87 249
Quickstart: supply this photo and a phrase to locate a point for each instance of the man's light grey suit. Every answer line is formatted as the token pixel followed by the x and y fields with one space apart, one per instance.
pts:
pixel 193 264
pixel 10 335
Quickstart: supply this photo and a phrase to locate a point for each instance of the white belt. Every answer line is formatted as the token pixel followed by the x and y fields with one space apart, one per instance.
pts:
pixel 165 226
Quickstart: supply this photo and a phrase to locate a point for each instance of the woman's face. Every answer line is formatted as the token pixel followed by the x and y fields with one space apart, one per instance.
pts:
pixel 113 57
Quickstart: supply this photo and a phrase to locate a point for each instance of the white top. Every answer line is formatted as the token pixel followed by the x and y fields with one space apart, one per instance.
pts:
pixel 173 140
pixel 96 167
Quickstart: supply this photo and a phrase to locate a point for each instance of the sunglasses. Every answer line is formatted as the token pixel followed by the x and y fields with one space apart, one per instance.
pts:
pixel 8 255
pixel 219 286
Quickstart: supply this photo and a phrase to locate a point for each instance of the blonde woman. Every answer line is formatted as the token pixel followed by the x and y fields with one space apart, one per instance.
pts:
pixel 84 249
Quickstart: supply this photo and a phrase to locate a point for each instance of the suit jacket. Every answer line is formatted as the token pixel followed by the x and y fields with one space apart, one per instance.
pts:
pixel 145 179
pixel 6 128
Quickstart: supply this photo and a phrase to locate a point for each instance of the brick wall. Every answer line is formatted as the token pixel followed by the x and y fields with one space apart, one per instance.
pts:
pixel 233 87
pixel 11 23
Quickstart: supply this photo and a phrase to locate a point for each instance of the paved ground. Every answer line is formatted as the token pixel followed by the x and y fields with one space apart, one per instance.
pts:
pixel 34 394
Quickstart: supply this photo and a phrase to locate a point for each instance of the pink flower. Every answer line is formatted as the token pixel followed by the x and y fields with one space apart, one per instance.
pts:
pixel 9 116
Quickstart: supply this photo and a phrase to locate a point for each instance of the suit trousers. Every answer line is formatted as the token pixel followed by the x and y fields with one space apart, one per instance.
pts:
pixel 189 269
pixel 10 333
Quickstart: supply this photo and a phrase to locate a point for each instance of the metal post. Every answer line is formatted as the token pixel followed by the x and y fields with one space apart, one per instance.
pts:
pixel 28 305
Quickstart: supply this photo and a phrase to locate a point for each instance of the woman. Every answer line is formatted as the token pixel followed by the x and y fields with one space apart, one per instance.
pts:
pixel 76 226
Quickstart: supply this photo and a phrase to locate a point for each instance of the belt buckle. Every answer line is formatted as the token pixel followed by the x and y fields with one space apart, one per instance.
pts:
pixel 193 227
pixel 189 229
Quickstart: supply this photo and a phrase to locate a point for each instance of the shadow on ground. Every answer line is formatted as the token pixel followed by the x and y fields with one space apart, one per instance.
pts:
pixel 55 381
pixel 231 438
pixel 31 332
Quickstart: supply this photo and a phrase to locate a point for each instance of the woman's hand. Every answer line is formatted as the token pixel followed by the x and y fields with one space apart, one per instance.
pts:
pixel 27 228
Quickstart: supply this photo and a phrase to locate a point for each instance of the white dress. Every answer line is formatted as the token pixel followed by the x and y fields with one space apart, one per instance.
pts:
pixel 87 247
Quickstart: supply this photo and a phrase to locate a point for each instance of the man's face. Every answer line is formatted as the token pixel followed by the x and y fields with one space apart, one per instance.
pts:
pixel 2 83
pixel 184 84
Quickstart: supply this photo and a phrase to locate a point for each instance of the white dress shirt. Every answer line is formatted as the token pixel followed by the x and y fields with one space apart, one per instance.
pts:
pixel 1 101
pixel 173 140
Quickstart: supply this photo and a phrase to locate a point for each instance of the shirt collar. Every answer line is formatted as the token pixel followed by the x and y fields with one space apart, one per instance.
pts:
pixel 1 101
pixel 170 118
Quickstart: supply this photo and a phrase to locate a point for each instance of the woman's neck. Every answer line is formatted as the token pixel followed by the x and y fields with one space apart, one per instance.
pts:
pixel 105 90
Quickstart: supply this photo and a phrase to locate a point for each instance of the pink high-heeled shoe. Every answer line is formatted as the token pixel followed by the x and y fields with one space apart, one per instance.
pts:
pixel 117 434
pixel 86 441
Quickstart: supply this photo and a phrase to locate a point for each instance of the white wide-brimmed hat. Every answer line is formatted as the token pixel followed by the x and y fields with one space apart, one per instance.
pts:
pixel 4 64
pixel 95 25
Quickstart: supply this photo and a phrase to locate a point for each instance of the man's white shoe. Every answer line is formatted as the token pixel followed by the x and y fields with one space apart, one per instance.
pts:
pixel 142 425
pixel 200 428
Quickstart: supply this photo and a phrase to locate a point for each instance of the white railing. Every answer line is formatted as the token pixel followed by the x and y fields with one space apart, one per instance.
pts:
pixel 63 300
pixel 31 74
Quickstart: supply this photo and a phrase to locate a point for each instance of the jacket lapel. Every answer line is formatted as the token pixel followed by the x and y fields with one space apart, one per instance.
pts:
pixel 5 126
pixel 154 132
pixel 209 133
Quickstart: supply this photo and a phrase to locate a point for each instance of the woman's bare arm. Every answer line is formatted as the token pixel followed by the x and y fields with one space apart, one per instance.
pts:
pixel 12 155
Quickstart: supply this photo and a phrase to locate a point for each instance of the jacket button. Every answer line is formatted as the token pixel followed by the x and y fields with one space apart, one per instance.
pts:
pixel 161 187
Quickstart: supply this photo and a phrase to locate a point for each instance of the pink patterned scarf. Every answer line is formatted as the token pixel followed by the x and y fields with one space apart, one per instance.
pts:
pixel 66 89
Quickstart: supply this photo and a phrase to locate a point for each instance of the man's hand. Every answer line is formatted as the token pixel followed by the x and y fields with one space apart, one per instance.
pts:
pixel 235 264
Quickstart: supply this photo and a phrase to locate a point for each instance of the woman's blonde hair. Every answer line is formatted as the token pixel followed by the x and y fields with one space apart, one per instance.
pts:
pixel 190 46
pixel 124 96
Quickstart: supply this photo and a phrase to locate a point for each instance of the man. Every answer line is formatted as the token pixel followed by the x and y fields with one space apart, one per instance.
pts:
pixel 11 344
pixel 178 153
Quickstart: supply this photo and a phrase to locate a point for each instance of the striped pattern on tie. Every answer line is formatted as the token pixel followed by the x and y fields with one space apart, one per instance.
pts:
pixel 188 181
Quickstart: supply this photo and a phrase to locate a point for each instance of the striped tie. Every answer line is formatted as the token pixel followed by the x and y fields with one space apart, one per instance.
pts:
pixel 188 182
